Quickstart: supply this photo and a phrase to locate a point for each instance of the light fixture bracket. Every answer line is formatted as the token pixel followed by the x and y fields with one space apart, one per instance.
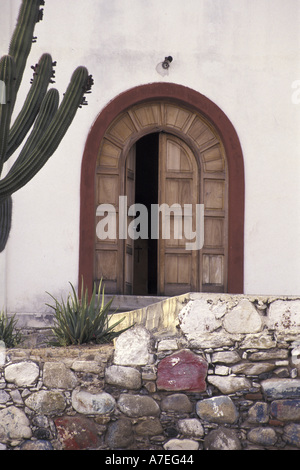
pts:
pixel 166 63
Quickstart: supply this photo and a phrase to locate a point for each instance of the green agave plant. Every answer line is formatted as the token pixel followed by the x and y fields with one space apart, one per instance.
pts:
pixel 8 332
pixel 81 321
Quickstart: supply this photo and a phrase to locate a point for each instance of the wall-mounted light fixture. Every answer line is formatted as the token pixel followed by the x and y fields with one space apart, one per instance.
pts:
pixel 166 63
pixel 163 67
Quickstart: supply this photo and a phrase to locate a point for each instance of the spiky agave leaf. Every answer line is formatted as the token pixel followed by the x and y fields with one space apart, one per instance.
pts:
pixel 84 320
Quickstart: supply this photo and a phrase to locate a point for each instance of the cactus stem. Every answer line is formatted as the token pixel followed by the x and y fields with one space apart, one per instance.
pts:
pixel 41 114
pixel 40 15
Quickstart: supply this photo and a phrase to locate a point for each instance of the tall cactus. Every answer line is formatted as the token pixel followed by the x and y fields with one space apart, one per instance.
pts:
pixel 41 114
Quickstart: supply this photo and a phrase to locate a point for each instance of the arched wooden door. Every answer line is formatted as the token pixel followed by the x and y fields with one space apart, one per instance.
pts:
pixel 211 135
pixel 191 171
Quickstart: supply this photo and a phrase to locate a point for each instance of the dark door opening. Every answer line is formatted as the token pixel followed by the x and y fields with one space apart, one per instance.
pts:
pixel 146 193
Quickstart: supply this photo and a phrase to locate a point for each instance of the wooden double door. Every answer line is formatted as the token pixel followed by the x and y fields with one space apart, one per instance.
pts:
pixel 158 245
pixel 162 179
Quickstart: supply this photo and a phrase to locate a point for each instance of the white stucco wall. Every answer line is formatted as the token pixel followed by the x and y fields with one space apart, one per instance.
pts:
pixel 244 55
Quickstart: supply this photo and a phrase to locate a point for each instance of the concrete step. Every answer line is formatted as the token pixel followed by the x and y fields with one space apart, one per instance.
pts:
pixel 127 303
pixel 121 303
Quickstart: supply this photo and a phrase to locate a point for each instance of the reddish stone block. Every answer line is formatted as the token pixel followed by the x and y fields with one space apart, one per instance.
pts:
pixel 77 433
pixel 183 370
pixel 276 422
pixel 254 396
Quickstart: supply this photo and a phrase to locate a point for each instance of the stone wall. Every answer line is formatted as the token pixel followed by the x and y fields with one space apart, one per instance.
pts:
pixel 226 375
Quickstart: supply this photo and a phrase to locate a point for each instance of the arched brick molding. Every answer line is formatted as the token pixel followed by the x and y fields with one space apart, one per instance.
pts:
pixel 195 101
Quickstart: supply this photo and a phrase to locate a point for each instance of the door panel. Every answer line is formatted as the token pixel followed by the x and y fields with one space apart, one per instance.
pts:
pixel 213 271
pixel 106 268
pixel 129 242
pixel 214 194
pixel 214 252
pixel 106 243
pixel 178 183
